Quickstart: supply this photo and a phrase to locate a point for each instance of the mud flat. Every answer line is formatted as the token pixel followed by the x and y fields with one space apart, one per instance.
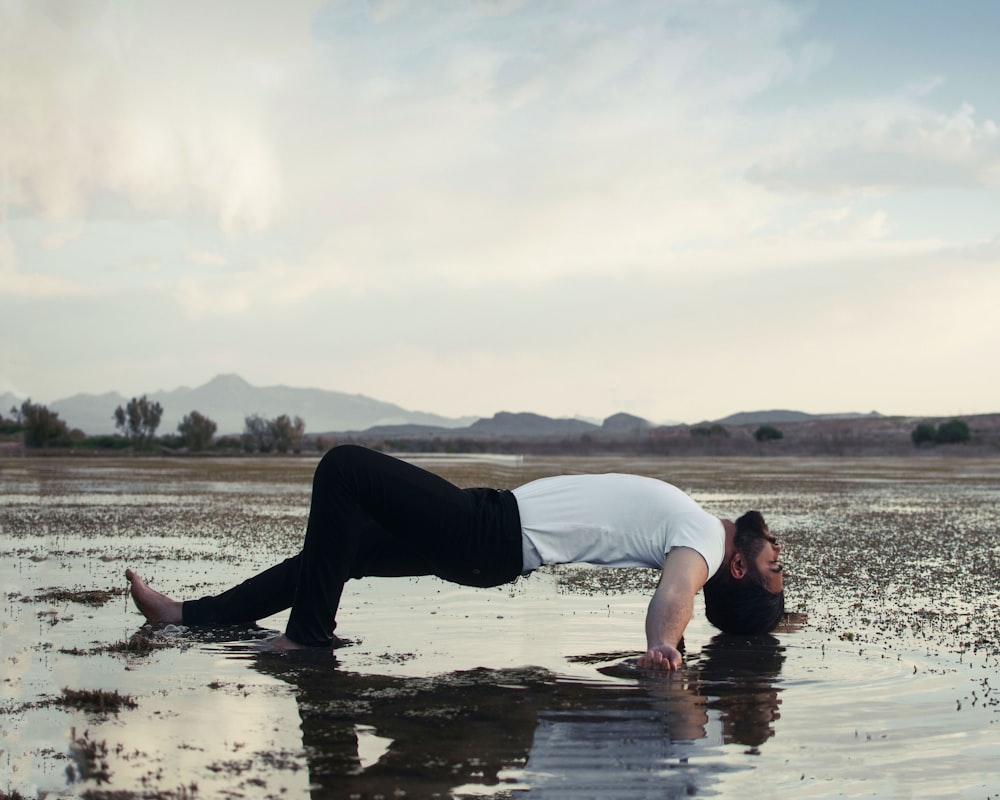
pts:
pixel 883 681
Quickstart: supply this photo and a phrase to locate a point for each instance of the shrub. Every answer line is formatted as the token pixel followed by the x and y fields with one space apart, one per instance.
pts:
pixel 923 434
pixel 713 430
pixel 196 431
pixel 104 442
pixel 767 433
pixel 138 420
pixel 10 426
pixel 42 428
pixel 953 432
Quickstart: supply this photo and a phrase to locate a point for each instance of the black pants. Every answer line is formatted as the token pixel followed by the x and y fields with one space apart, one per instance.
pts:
pixel 374 515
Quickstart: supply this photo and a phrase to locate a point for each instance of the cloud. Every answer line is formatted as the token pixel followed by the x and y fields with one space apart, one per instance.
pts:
pixel 470 150
pixel 470 145
pixel 880 148
pixel 473 206
pixel 164 107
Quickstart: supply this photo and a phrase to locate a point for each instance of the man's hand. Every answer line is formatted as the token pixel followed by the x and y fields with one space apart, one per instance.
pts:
pixel 662 657
pixel 670 609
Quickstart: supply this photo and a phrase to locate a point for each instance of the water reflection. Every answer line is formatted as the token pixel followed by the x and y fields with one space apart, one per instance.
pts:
pixel 739 678
pixel 627 733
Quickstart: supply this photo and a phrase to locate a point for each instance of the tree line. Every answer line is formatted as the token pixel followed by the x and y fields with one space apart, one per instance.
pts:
pixel 138 421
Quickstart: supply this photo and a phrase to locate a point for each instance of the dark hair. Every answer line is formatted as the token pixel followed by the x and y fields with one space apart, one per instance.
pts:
pixel 744 606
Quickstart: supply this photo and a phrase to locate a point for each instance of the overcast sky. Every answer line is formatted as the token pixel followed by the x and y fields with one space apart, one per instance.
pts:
pixel 676 209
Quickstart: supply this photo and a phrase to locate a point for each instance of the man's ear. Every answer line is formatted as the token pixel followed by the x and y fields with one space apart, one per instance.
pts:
pixel 738 567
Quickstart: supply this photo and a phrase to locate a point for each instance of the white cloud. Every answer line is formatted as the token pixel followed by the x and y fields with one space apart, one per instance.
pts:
pixel 163 106
pixel 882 147
pixel 845 228
pixel 553 145
pixel 438 145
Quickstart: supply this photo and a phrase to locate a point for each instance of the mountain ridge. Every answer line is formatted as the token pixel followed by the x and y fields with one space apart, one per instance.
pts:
pixel 228 399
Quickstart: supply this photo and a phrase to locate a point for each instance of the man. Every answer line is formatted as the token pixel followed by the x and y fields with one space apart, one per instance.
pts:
pixel 374 515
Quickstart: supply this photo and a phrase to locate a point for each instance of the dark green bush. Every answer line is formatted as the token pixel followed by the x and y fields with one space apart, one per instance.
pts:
pixel 10 426
pixel 767 433
pixel 103 442
pixel 713 430
pixel 923 434
pixel 953 432
pixel 42 428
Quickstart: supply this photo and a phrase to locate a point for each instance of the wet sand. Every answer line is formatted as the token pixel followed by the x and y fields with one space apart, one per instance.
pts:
pixel 884 680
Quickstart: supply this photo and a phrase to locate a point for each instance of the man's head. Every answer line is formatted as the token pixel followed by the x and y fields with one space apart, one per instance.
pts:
pixel 747 595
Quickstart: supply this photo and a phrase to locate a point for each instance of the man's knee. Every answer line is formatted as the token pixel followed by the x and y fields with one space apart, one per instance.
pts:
pixel 341 461
pixel 343 453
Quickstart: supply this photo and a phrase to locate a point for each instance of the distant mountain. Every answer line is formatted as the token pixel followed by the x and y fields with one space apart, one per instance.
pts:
pixel 784 415
pixel 506 423
pixel 228 400
pixel 94 414
pixel 625 424
pixel 520 425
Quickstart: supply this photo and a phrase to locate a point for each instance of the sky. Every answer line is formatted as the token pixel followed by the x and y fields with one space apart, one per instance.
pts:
pixel 676 209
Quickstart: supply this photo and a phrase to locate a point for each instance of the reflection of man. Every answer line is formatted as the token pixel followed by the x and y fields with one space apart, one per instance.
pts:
pixel 601 749
pixel 481 727
pixel 738 679
pixel 374 515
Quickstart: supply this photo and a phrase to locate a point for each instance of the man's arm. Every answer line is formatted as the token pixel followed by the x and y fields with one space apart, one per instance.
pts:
pixel 670 610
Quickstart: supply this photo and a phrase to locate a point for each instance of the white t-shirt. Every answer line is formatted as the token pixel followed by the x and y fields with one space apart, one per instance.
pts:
pixel 614 520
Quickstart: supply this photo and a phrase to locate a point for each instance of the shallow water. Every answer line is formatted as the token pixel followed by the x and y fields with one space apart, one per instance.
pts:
pixel 883 681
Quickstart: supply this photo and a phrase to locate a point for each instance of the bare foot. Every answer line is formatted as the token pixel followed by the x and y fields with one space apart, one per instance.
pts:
pixel 155 607
pixel 282 644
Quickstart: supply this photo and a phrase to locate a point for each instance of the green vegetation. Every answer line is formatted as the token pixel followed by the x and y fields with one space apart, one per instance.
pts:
pixel 709 431
pixel 196 431
pixel 264 435
pixel 34 426
pixel 8 427
pixel 139 421
pixel 104 442
pixel 767 433
pixel 41 427
pixel 288 434
pixel 954 431
pixel 923 434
